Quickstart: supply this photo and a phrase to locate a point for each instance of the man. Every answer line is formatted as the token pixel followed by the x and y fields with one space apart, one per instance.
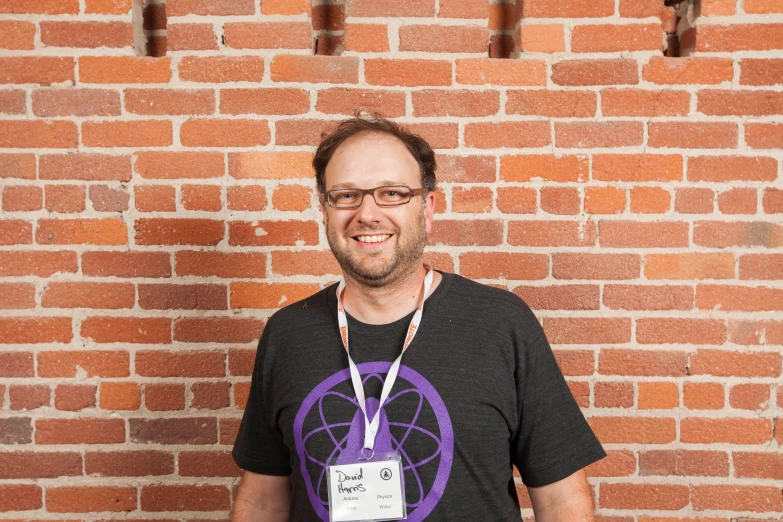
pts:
pixel 477 390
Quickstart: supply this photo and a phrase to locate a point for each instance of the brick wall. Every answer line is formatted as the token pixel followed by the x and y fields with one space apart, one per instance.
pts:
pixel 155 211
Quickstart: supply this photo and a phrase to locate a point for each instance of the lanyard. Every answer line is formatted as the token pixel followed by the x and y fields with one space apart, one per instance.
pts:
pixel 371 428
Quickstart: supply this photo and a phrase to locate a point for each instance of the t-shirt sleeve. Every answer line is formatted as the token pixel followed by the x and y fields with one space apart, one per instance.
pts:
pixel 259 446
pixel 553 439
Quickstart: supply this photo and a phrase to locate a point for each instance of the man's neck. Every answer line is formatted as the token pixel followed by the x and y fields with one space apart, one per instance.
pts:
pixel 389 303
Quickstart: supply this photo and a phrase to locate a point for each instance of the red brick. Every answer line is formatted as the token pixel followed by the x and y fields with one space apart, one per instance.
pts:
pixel 462 232
pixel 22 198
pixel 366 37
pixel 15 430
pixel 740 103
pixel 648 297
pixel 79 431
pixel 268 35
pixel 731 168
pixel 201 197
pixel 633 102
pixel 760 71
pixel 124 69
pixel 749 396
pixel 126 264
pixel 40 263
pixel 153 363
pixel 185 498
pixel 500 265
pixel 616 464
pixel 316 69
pixel 107 231
pixel 658 395
pixel 629 430
pixel 128 463
pixel 694 265
pixel 650 200
pixel 568 9
pixel 739 37
pixel 542 38
pixel 218 330
pixel 155 198
pixel 595 266
pixel 772 201
pixel 85 167
pixel 210 395
pixel 761 266
pixel 575 362
pixel 107 199
pixel 467 169
pixel 598 134
pixel 407 72
pixel 94 363
pixel 703 395
pixel 87 499
pixel 20 497
pixel 390 8
pixel 471 199
pixel 74 397
pixel 180 430
pixel 37 465
pixel 701 135
pixel 27 397
pixel 43 70
pixel 516 200
pixel 107 6
pixel 483 71
pixel 763 6
pixel 120 396
pixel 292 197
pixel 434 102
pixel 38 134
pixel 462 9
pixel 221 264
pixel 730 431
pixel 224 133
pixel 346 101
pixel 680 331
pixel 191 37
pixel 164 397
pixel 629 234
pixel 221 69
pixel 551 233
pixel 210 7
pixel 269 296
pixel 579 104
pixel 694 201
pixel 170 101
pixel 249 197
pixel 277 233
pixel 614 395
pixel 511 134
pixel 587 330
pixel 551 168
pixel 642 362
pixel 40 7
pixel 644 496
pixel 735 364
pixel 764 465
pixel 743 298
pixel 721 234
pixel 65 198
pixel 86 34
pixel 606 38
pixel 29 330
pixel 207 464
pixel 604 200
pixel 148 330
pixel 691 70
pixel 151 133
pixel 764 135
pixel 684 463
pixel 560 297
pixel 13 102
pixel 298 132
pixel 595 72
pixel 163 231
pixel 443 39
pixel 264 101
pixel 738 201
pixel 17 296
pixel 637 168
pixel 15 232
pixel 88 295
pixel 17 35
pixel 304 262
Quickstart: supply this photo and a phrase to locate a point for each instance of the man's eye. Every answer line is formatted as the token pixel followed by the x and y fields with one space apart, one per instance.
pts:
pixel 347 195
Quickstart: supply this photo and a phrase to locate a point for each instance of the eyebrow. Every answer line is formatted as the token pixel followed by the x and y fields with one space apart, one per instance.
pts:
pixel 385 183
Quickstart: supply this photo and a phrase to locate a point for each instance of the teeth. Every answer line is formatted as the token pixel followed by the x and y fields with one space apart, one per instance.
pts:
pixel 373 239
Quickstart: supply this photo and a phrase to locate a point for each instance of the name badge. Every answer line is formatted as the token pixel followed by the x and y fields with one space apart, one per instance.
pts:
pixel 367 490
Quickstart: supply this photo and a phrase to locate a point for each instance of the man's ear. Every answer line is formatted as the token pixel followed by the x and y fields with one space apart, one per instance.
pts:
pixel 429 210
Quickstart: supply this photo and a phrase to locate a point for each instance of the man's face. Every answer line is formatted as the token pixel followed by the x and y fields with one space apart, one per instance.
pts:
pixel 374 245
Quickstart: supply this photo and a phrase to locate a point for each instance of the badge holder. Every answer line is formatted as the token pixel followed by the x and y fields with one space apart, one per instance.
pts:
pixel 370 489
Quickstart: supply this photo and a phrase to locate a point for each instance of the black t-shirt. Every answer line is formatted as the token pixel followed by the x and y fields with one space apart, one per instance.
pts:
pixel 478 391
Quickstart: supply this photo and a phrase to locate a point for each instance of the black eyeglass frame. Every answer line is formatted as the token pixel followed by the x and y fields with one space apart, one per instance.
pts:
pixel 413 192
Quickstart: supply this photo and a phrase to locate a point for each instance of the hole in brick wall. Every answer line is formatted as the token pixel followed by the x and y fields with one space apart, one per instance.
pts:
pixel 504 19
pixel 149 27
pixel 678 18
pixel 328 18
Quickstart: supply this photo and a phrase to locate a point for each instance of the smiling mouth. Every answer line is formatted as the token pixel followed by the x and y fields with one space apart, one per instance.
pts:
pixel 373 239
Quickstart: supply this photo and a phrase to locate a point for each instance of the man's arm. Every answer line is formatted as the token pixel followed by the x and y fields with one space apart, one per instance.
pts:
pixel 567 500
pixel 262 498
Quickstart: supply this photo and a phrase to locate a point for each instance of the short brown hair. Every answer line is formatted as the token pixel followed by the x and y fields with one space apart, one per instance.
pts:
pixel 375 123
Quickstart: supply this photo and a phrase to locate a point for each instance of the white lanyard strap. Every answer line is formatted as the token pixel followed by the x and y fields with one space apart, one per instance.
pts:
pixel 371 428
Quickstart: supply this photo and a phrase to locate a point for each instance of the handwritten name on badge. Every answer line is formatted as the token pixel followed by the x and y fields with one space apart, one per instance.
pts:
pixel 366 491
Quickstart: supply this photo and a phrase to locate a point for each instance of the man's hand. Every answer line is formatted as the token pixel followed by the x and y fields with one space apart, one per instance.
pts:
pixel 567 500
pixel 262 498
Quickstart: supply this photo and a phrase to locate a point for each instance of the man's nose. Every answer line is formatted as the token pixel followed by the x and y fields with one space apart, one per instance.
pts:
pixel 368 211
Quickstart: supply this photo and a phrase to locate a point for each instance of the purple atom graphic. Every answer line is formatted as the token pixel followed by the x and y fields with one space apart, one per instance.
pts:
pixel 329 429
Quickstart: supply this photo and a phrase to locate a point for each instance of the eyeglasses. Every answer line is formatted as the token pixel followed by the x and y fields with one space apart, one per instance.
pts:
pixel 388 196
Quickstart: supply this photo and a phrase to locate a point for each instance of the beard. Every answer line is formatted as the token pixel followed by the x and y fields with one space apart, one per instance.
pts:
pixel 370 269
